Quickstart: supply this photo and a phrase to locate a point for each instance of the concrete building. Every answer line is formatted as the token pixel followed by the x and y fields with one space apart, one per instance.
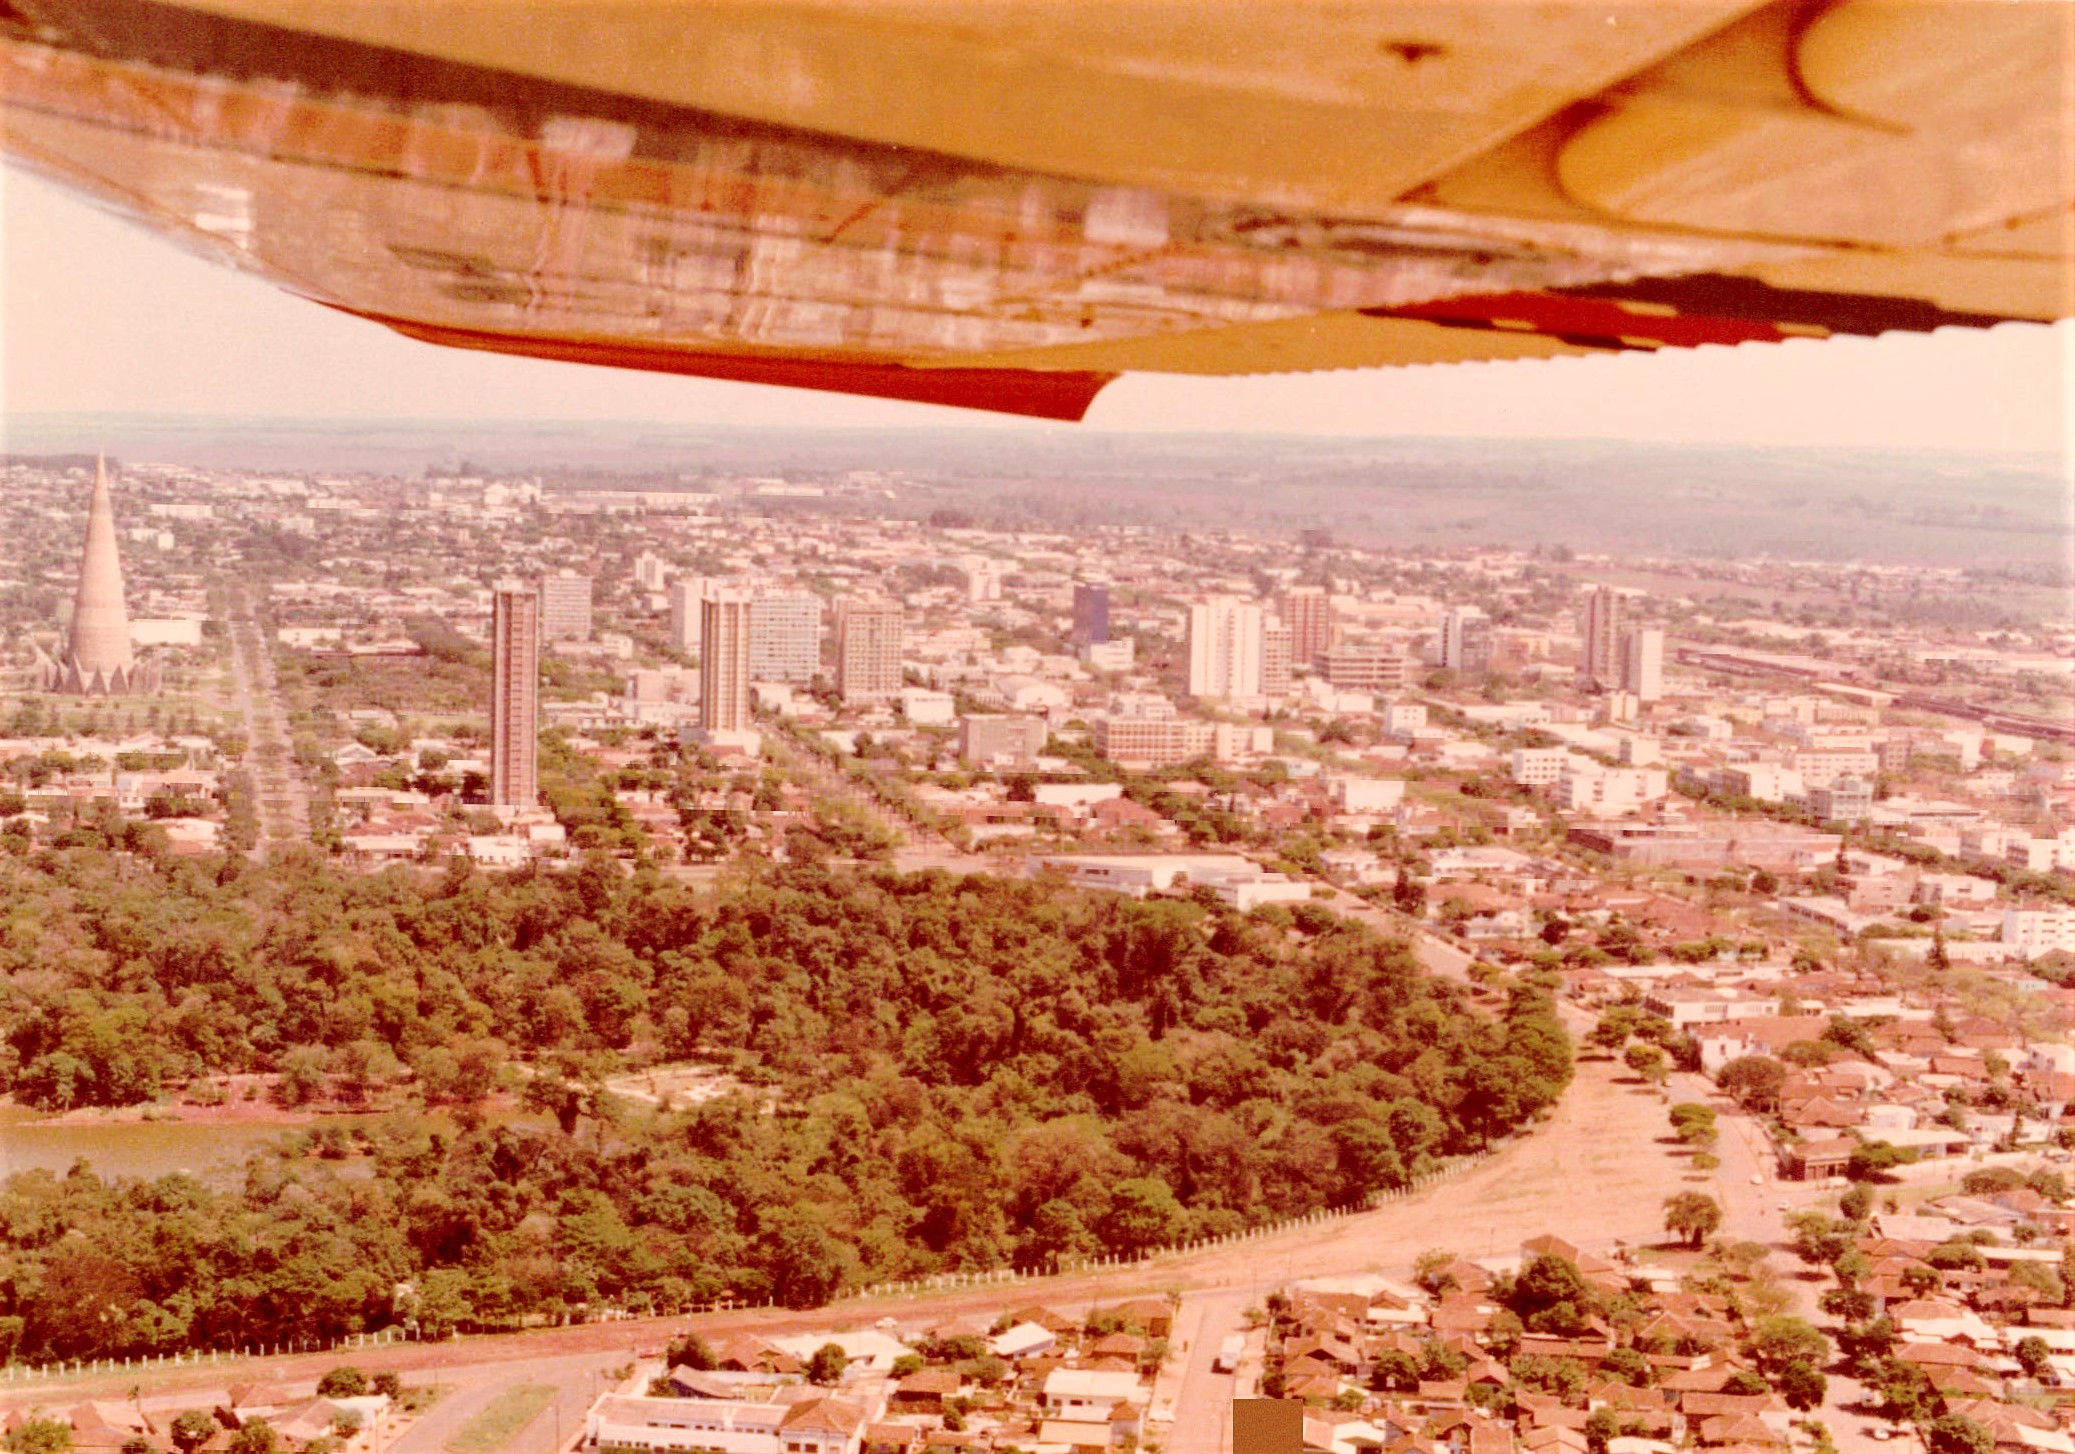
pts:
pixel 1753 843
pixel 1118 655
pixel 1308 612
pixel 1161 741
pixel 1766 782
pixel 1466 642
pixel 1404 719
pixel 1848 799
pixel 651 572
pixel 98 658
pixel 1091 616
pixel 1224 649
pixel 565 607
pixel 1639 751
pixel 514 695
pixel 1276 664
pixel 1587 787
pixel 1642 664
pixel 724 662
pixel 1154 741
pixel 1539 767
pixel 1237 881
pixel 927 707
pixel 1000 741
pixel 1366 795
pixel 983 578
pixel 642 1425
pixel 1686 1007
pixel 685 593
pixel 2033 932
pixel 1366 668
pixel 1820 769
pixel 784 637
pixel 868 650
pixel 2042 855
pixel 1606 621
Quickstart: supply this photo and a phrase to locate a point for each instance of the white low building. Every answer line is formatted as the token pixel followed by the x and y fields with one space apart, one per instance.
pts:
pixel 1366 794
pixel 1539 767
pixel 1237 881
pixel 2033 932
pixel 1069 1392
pixel 1024 1340
pixel 1077 796
pixel 926 708
pixel 813 1425
pixel 872 1351
pixel 1587 787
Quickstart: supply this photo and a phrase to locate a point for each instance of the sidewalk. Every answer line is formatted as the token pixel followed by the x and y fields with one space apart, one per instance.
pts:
pixel 1167 1387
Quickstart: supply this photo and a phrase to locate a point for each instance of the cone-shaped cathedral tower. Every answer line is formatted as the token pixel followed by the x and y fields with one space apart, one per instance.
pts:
pixel 98 660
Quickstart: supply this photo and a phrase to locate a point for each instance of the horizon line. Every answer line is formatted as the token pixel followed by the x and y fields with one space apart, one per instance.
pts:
pixel 979 428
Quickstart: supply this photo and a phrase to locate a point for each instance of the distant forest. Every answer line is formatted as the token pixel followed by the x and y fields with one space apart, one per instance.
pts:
pixel 924 1073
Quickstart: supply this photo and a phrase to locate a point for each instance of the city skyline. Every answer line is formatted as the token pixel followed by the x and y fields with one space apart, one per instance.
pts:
pixel 1811 773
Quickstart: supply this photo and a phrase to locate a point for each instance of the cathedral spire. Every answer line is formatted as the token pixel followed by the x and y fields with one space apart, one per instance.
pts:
pixel 100 625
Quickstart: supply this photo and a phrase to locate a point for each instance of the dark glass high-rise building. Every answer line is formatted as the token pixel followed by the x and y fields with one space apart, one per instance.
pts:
pixel 514 695
pixel 1308 612
pixel 1091 616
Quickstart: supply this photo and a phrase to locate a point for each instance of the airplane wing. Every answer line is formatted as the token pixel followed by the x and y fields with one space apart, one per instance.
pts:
pixel 1003 205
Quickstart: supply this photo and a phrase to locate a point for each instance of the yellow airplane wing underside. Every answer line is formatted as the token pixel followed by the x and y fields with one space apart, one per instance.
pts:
pixel 1005 204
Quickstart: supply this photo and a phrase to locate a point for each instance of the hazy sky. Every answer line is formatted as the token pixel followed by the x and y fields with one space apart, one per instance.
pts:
pixel 99 316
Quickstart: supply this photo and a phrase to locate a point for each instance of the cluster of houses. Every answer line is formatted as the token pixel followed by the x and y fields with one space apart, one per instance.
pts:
pixel 299 1420
pixel 176 781
pixel 1385 1368
pixel 1040 1381
pixel 1921 1072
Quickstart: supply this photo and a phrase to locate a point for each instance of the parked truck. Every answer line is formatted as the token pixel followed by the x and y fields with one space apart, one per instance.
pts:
pixel 1228 1353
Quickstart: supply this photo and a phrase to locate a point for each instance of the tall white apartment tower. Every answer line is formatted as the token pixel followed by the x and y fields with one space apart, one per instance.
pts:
pixel 685 595
pixel 868 650
pixel 1642 665
pixel 724 661
pixel 785 637
pixel 565 607
pixel 1225 648
pixel 1276 652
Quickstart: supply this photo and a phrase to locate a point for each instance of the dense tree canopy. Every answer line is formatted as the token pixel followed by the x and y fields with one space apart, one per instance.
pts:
pixel 922 1073
pixel 1692 1215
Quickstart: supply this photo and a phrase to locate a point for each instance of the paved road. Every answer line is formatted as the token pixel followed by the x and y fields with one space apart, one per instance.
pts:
pixel 1203 1404
pixel 1756 1204
pixel 282 798
pixel 805 765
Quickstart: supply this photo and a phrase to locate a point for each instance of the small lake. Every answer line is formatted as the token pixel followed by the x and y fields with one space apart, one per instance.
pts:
pixel 214 1153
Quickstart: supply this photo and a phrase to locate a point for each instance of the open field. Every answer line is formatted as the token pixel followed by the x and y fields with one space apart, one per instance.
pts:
pixel 1594 1172
pixel 679 1084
